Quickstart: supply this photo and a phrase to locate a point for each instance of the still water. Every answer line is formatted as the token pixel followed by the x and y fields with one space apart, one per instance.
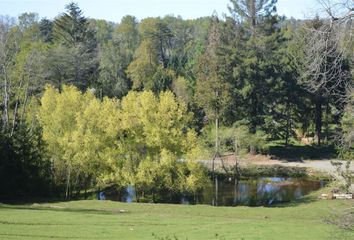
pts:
pixel 264 191
pixel 259 192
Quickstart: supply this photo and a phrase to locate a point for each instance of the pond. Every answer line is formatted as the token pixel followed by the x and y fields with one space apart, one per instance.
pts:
pixel 263 191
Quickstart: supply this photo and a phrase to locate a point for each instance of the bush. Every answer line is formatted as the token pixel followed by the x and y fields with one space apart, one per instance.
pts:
pixel 24 169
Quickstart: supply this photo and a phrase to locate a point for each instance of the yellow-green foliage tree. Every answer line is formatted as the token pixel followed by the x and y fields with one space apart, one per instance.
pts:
pixel 79 131
pixel 158 143
pixel 143 141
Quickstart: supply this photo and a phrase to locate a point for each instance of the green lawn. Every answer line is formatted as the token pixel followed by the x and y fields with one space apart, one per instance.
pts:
pixel 103 220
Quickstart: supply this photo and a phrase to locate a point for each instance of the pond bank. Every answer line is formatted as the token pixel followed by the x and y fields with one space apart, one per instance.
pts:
pixel 263 165
pixel 253 171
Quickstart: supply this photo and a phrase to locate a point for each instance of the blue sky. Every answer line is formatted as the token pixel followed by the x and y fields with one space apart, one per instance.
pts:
pixel 114 10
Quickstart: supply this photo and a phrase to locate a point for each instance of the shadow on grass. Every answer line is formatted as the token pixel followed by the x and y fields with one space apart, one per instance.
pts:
pixel 58 208
pixel 293 153
pixel 36 236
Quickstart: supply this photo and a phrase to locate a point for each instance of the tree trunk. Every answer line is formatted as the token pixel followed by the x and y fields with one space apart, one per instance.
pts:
pixel 236 190
pixel 318 121
pixel 217 136
pixel 67 183
pixel 327 121
pixel 216 191
pixel 215 156
pixel 24 104
pixel 236 170
pixel 6 101
pixel 254 114
pixel 287 133
pixel 253 16
pixel 14 121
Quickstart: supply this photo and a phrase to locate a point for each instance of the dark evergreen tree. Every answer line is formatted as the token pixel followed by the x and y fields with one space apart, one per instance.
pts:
pixel 71 30
pixel 46 30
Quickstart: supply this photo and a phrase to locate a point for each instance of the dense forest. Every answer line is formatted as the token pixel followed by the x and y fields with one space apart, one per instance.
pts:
pixel 89 104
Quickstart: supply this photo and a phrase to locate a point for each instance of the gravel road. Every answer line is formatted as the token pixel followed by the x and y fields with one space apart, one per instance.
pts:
pixel 321 165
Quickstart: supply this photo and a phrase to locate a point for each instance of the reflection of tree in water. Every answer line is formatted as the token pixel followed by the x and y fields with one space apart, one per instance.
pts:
pixel 256 192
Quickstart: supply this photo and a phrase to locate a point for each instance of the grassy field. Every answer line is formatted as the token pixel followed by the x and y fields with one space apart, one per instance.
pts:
pixel 113 220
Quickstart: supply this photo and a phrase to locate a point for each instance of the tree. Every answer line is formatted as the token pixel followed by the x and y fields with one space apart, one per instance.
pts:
pixel 72 28
pixel 57 116
pixel 28 80
pixel 9 47
pixel 46 30
pixel 286 107
pixel 126 35
pixel 71 31
pixel 347 124
pixel 80 132
pixel 24 166
pixel 149 69
pixel 212 89
pixel 156 139
pixel 139 142
pixel 344 172
pixel 325 71
pixel 112 79
pixel 115 57
pixel 103 30
pixel 27 20
pixel 256 69
pixel 252 11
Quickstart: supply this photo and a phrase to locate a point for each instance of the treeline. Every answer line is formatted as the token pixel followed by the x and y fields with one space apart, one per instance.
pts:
pixel 251 72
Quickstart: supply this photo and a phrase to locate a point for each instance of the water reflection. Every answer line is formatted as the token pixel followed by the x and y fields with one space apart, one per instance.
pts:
pixel 259 192
pixel 130 194
pixel 263 191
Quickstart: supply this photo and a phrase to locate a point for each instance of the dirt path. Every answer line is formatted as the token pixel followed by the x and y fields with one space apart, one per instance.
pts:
pixel 323 165
pixel 319 165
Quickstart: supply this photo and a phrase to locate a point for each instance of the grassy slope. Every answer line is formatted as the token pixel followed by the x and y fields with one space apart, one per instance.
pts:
pixel 102 220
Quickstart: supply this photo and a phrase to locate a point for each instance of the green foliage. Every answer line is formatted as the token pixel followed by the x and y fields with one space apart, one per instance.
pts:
pixel 149 70
pixel 252 10
pixel 182 89
pixel 156 139
pixel 344 175
pixel 140 142
pixel 24 166
pixel 102 28
pixel 46 30
pixel 112 81
pixel 116 55
pixel 348 129
pixel 212 91
pixel 236 139
pixel 73 60
pixel 71 28
pixel 126 34
pixel 301 152
pixel 80 132
pixel 27 20
pixel 249 72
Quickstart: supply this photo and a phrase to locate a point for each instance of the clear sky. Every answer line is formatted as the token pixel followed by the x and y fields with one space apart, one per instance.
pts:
pixel 114 10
